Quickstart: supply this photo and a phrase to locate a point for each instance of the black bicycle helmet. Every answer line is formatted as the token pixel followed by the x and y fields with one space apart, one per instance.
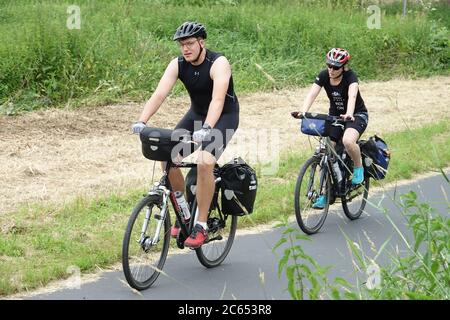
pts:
pixel 190 29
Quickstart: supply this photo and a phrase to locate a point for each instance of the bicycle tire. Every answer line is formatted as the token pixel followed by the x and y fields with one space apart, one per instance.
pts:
pixel 160 250
pixel 299 208
pixel 345 203
pixel 203 251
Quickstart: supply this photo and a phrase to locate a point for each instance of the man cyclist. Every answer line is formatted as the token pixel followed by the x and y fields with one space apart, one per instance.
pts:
pixel 212 118
pixel 341 86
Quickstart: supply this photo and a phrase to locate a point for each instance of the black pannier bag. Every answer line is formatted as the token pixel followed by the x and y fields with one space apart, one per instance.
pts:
pixel 376 157
pixel 238 187
pixel 158 143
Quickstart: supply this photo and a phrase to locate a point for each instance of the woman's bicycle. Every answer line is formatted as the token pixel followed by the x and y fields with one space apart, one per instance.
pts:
pixel 147 235
pixel 327 173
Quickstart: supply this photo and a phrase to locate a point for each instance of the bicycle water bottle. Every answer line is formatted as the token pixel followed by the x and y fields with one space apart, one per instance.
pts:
pixel 337 170
pixel 183 205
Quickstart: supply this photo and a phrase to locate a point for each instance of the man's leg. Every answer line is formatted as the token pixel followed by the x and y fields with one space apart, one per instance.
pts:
pixel 177 182
pixel 205 184
pixel 205 193
pixel 175 177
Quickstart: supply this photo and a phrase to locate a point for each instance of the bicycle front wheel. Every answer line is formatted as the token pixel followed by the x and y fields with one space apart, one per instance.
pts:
pixel 221 232
pixel 313 181
pixel 355 200
pixel 146 242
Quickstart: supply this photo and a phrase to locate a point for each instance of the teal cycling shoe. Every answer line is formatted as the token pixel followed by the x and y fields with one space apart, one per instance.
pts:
pixel 320 202
pixel 358 175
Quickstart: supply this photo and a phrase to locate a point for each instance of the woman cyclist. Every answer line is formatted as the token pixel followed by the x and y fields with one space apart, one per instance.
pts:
pixel 341 86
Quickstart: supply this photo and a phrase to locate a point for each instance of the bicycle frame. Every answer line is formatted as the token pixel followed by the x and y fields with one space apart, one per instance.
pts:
pixel 324 153
pixel 163 189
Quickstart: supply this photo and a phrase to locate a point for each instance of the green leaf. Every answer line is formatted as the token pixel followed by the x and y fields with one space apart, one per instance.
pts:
pixel 435 266
pixel 279 243
pixel 305 268
pixel 342 282
pixel 417 295
pixel 288 230
pixel 419 240
pixel 282 264
pixel 302 237
pixel 335 294
pixel 295 294
pixel 350 296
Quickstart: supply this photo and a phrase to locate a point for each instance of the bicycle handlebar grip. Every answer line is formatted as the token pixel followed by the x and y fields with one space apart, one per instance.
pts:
pixel 296 115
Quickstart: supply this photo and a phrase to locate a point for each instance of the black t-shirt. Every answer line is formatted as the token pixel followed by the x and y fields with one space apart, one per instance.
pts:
pixel 199 84
pixel 338 95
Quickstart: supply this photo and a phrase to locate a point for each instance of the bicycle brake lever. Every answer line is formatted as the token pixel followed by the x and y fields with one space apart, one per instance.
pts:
pixel 336 124
pixel 189 141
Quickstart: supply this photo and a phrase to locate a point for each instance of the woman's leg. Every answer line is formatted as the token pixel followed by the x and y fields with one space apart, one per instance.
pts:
pixel 349 140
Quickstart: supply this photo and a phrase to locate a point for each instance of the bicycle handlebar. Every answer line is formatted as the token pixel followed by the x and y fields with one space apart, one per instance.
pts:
pixel 321 116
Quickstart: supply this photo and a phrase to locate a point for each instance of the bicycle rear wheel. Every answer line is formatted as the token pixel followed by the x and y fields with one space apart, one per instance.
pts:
pixel 221 232
pixel 146 243
pixel 355 200
pixel 313 181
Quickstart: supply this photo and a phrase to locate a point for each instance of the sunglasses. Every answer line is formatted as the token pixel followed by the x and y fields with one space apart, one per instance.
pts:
pixel 333 67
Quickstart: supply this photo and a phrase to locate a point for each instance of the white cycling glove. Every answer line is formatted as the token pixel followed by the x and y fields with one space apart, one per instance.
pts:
pixel 137 127
pixel 200 135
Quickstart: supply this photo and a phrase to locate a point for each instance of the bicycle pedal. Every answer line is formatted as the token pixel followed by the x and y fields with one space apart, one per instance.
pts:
pixel 218 238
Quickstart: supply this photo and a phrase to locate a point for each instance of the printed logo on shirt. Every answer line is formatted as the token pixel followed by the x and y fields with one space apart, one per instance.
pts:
pixel 338 101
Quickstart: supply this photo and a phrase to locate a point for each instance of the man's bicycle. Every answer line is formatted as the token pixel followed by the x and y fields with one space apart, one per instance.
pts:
pixel 147 235
pixel 327 173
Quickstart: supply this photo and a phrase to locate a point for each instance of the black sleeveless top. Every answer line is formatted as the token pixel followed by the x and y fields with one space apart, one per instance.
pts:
pixel 199 84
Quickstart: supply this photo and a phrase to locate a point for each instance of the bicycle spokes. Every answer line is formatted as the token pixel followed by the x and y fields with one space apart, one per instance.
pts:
pixel 313 182
pixel 146 243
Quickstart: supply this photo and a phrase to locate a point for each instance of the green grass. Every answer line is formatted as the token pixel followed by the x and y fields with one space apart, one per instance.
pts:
pixel 122 48
pixel 43 241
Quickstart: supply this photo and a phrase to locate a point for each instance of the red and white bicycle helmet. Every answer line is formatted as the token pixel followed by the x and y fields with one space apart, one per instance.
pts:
pixel 337 57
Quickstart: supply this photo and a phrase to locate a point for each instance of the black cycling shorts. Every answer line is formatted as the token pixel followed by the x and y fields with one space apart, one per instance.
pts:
pixel 360 125
pixel 220 135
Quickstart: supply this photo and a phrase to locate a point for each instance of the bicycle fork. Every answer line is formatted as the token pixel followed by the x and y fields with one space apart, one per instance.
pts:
pixel 148 241
pixel 323 174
